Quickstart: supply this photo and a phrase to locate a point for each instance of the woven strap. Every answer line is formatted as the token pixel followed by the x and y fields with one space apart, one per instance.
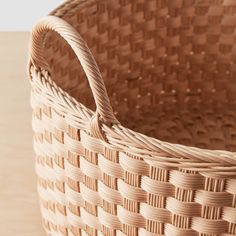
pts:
pixel 104 110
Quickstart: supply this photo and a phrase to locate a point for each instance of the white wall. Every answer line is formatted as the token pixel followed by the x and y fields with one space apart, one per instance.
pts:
pixel 20 15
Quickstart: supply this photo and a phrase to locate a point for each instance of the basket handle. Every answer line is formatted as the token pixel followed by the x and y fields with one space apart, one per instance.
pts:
pixel 71 36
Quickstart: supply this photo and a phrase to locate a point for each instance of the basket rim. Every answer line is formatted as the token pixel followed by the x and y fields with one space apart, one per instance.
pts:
pixel 121 138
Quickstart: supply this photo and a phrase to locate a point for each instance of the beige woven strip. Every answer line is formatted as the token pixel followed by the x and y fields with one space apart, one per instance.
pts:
pixel 132 165
pixel 209 226
pixel 74 197
pixel 231 186
pixel 58 148
pixel 186 180
pixel 131 193
pixel 73 145
pixel 109 220
pixel 109 167
pixel 92 144
pixel 156 187
pixel 91 196
pixel 229 214
pixel 130 218
pixel 213 198
pixel 90 169
pixel 183 208
pixel 73 172
pixel 90 219
pixel 108 194
pixel 155 214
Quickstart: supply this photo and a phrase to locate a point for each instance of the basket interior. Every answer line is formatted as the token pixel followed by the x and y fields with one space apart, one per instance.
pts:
pixel 170 72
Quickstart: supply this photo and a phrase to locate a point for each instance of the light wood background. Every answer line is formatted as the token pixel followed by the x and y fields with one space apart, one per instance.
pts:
pixel 19 209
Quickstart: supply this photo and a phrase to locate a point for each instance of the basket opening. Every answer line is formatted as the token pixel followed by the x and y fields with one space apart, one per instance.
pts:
pixel 173 80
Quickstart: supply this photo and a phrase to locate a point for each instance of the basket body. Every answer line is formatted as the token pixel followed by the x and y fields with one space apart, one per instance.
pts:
pixel 169 69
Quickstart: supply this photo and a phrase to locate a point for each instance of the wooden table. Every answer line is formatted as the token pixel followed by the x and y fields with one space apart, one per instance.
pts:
pixel 19 209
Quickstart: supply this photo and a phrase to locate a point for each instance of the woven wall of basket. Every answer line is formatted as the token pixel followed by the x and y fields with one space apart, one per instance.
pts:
pixel 134 114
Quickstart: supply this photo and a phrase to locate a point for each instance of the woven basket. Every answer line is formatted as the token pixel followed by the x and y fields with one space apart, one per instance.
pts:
pixel 154 151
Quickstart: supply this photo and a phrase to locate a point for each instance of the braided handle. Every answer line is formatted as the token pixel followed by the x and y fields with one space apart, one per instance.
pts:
pixel 80 48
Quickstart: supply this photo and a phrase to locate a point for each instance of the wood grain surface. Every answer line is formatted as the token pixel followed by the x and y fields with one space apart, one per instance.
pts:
pixel 19 209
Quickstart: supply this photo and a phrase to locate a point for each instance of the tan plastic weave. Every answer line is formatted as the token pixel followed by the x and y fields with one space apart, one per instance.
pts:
pixel 152 149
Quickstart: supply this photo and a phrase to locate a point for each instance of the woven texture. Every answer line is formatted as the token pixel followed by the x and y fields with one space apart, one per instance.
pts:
pixel 134 115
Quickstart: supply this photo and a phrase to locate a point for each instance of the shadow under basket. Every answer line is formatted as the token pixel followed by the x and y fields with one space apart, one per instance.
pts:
pixel 134 117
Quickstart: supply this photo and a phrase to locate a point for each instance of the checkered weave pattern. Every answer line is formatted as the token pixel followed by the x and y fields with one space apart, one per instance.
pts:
pixel 134 117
